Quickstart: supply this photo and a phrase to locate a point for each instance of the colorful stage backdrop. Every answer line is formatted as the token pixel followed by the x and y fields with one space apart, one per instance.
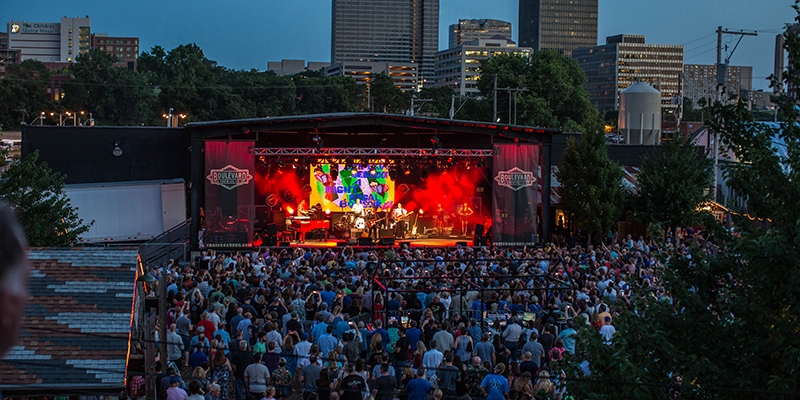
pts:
pixel 337 188
pixel 229 208
pixel 515 197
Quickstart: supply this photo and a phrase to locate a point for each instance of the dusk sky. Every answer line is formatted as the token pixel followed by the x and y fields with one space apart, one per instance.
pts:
pixel 245 34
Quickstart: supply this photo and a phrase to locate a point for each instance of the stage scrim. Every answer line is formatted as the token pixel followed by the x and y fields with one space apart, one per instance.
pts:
pixel 514 194
pixel 230 194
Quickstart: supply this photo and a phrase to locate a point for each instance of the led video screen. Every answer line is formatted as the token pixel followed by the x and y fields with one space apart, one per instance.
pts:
pixel 337 188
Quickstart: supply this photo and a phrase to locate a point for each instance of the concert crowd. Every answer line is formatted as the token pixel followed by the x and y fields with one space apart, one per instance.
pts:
pixel 467 323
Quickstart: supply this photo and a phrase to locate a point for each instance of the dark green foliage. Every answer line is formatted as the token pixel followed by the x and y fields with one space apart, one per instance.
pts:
pixel 37 195
pixel 591 183
pixel 386 97
pixel 555 98
pixel 672 184
pixel 24 88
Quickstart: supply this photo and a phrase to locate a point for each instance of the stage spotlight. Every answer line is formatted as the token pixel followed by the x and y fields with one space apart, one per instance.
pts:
pixel 334 171
pixel 318 140
pixel 436 142
pixel 424 173
pixel 393 174
pixel 407 171
pixel 290 210
pixel 327 211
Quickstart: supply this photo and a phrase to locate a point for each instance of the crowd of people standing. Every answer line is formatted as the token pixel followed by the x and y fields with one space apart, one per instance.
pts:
pixel 410 323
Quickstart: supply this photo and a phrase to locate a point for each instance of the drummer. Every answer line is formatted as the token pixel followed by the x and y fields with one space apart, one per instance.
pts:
pixel 358 208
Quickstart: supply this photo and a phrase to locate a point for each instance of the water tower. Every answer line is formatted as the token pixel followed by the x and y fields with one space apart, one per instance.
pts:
pixel 640 114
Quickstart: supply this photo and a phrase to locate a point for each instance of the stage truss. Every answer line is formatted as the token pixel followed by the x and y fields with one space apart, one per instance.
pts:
pixel 370 152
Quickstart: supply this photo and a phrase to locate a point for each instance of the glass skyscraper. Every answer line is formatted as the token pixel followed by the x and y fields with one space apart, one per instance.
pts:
pixel 561 25
pixel 395 31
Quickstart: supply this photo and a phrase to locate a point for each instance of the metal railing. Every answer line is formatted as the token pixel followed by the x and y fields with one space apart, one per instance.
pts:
pixel 172 244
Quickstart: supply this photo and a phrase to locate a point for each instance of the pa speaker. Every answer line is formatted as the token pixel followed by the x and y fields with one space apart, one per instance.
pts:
pixel 271 241
pixel 479 229
pixel 387 241
pixel 364 241
pixel 407 244
pixel 341 244
pixel 462 244
pixel 272 230
pixel 480 241
pixel 284 244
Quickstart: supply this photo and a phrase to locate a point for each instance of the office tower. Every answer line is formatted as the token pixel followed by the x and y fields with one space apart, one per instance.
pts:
pixel 467 30
pixel 459 67
pixel 700 81
pixel 393 31
pixel 561 25
pixel 625 59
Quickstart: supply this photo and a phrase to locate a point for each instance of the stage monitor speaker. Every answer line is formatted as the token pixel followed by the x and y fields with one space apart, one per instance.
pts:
pixel 279 218
pixel 462 244
pixel 386 233
pixel 364 241
pixel 353 241
pixel 479 230
pixel 407 244
pixel 387 241
pixel 271 241
pixel 284 244
pixel 272 230
pixel 341 244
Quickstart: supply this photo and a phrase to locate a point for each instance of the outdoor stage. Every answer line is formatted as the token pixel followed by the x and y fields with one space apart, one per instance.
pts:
pixel 397 243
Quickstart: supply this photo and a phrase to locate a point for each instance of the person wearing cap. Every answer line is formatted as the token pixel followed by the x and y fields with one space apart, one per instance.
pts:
pixel 608 330
pixel 302 350
pixel 495 386
pixel 175 392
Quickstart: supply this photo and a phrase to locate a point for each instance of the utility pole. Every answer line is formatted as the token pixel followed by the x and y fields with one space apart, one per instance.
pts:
pixel 494 109
pixel 722 77
pixel 515 90
pixel 452 106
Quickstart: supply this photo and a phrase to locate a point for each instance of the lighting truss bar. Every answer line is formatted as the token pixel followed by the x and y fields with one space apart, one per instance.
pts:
pixel 355 152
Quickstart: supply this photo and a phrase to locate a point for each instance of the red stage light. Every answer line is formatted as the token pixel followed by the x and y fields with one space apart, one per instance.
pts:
pixel 421 211
pixel 327 212
pixel 290 210
pixel 408 172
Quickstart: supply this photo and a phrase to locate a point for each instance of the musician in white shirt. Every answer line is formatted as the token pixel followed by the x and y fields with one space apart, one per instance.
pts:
pixel 397 215
pixel 358 208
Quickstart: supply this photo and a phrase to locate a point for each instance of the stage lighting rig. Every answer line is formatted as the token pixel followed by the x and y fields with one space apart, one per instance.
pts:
pixel 319 142
pixel 436 142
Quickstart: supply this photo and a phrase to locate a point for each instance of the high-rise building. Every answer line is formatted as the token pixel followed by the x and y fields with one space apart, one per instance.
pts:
pixel 291 67
pixel 459 67
pixel 467 30
pixel 125 48
pixel 625 59
pixel 51 42
pixel 404 75
pixel 393 31
pixel 561 25
pixel 700 81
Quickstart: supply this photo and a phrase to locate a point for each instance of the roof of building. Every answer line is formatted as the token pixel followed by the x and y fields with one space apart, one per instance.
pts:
pixel 640 87
pixel 75 332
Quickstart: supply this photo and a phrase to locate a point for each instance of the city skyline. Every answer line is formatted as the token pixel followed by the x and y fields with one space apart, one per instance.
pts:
pixel 301 29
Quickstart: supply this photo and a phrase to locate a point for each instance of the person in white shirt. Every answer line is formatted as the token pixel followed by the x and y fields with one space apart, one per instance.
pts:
pixel 607 331
pixel 432 360
pixel 302 350
pixel 358 208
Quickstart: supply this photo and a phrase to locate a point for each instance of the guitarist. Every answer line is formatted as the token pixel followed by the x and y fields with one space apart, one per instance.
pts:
pixel 398 215
pixel 372 223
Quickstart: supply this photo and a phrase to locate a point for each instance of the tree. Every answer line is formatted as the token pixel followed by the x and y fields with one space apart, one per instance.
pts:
pixel 23 93
pixel 115 96
pixel 386 97
pixel 672 184
pixel 731 331
pixel 555 97
pixel 44 211
pixel 591 184
pixel 441 99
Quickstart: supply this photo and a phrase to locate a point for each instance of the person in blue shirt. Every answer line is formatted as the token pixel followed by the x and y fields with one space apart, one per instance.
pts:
pixel 198 357
pixel 418 387
pixel 413 334
pixel 478 306
pixel 319 329
pixel 380 331
pixel 568 337
pixel 328 295
pixel 495 385
pixel 327 342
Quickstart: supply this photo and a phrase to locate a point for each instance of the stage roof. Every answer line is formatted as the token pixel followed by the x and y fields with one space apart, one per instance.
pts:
pixel 366 124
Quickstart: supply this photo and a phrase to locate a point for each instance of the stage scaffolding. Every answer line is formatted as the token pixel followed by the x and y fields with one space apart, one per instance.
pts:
pixel 370 152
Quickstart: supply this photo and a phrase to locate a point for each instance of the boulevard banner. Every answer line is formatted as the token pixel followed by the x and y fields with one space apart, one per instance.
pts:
pixel 230 194
pixel 515 198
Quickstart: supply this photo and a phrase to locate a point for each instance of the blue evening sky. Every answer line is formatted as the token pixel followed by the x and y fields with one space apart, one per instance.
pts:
pixel 245 34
